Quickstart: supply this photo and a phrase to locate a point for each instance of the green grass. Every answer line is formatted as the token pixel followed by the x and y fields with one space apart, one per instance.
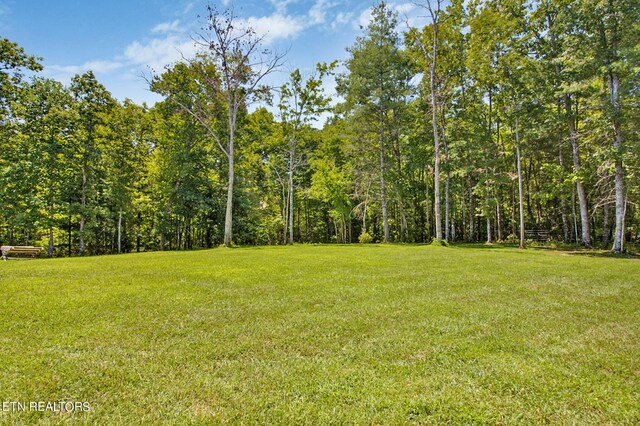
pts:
pixel 324 335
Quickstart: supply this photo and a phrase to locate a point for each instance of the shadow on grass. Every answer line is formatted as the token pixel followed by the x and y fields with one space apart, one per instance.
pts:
pixel 603 253
pixel 484 246
pixel 570 250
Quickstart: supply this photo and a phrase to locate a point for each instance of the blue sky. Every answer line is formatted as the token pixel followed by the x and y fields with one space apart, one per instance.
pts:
pixel 120 39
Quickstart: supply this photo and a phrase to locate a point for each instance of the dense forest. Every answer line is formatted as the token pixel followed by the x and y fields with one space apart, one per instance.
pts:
pixel 496 118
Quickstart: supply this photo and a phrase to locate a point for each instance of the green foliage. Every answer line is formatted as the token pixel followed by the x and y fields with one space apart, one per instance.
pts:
pixel 439 243
pixel 365 238
pixel 79 169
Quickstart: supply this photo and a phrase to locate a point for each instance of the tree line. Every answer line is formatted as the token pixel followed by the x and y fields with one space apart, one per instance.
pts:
pixel 496 117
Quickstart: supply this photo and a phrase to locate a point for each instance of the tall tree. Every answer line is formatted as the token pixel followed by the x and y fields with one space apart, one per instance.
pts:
pixel 47 112
pixel 235 51
pixel 431 60
pixel 127 147
pixel 301 101
pixel 614 25
pixel 93 102
pixel 377 84
pixel 13 61
pixel 558 23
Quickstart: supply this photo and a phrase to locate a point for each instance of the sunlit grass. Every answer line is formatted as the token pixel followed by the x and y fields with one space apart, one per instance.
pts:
pixel 324 335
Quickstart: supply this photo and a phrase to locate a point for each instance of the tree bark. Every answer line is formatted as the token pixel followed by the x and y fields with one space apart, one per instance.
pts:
pixel 447 218
pixel 488 206
pixel 383 195
pixel 575 148
pixel 436 140
pixel 618 235
pixel 520 192
pixel 83 203
pixel 50 248
pixel 291 201
pixel 120 231
pixel 472 208
pixel 138 233
pixel 582 195
pixel 486 171
pixel 228 218
pixel 606 231
pixel 563 201
pixel 498 219
pixel 69 236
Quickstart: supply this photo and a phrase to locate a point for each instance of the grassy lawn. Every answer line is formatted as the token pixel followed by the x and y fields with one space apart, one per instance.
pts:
pixel 324 335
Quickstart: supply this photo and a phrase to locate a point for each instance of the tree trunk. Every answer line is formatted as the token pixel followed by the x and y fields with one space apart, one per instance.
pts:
pixel 50 248
pixel 427 205
pixel 120 231
pixel 285 211
pixel 618 235
pixel 83 203
pixel 69 236
pixel 291 201
pixel 463 216
pixel 575 149
pixel 383 195
pixel 514 209
pixel 138 233
pixel 364 218
pixel 486 171
pixel 563 201
pixel 447 196
pixel 498 219
pixel 606 231
pixel 472 208
pixel 436 143
pixel 228 218
pixel 582 195
pixel 520 193
pixel 575 218
pixel 488 207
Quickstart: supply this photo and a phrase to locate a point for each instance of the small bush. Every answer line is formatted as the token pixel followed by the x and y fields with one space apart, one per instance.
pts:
pixel 365 238
pixel 436 242
pixel 512 239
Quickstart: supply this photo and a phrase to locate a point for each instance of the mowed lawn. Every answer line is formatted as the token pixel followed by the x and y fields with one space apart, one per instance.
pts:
pixel 324 335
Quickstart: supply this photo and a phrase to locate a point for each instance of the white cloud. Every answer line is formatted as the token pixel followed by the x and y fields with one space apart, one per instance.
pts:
pixel 281 5
pixel 364 19
pixel 158 52
pixel 404 8
pixel 95 66
pixel 407 12
pixel 318 12
pixel 341 19
pixel 274 27
pixel 189 6
pixel 166 27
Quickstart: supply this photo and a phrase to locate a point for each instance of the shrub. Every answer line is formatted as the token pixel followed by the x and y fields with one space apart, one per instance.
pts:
pixel 365 238
pixel 436 242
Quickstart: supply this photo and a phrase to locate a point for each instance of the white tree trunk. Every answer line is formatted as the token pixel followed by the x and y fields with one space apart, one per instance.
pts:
pixel 383 195
pixel 582 194
pixel 436 139
pixel 120 231
pixel 291 203
pixel 618 235
pixel 228 219
pixel 520 192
